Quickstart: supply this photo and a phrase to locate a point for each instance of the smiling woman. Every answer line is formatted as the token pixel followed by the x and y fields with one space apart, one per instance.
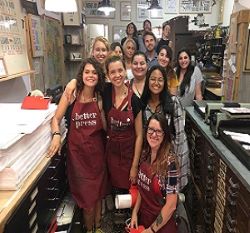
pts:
pixel 86 167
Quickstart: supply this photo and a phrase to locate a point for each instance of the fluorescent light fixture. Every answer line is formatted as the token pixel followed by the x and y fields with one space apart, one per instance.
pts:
pixel 154 5
pixel 61 5
pixel 105 7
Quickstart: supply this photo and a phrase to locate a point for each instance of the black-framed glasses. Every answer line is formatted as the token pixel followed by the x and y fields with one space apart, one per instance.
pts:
pixel 158 132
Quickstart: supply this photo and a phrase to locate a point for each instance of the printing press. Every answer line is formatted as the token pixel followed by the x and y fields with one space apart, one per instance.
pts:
pixel 229 122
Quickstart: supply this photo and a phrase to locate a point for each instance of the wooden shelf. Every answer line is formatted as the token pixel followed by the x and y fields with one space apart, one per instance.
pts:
pixel 9 77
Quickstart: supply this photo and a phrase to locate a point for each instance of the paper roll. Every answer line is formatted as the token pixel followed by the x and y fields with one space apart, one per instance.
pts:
pixel 123 201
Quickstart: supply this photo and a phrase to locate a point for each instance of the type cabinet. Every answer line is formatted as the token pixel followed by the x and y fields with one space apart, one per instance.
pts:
pixel 218 199
pixel 37 210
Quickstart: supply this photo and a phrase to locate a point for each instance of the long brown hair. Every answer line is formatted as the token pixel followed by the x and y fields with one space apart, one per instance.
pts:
pixel 164 153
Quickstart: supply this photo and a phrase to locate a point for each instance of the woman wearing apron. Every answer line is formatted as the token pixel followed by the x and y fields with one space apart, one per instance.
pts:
pixel 86 166
pixel 124 133
pixel 124 126
pixel 157 180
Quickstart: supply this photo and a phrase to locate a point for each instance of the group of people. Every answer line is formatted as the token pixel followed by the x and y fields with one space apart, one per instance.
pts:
pixel 125 120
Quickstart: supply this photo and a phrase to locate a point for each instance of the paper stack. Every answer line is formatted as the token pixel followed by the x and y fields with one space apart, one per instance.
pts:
pixel 25 142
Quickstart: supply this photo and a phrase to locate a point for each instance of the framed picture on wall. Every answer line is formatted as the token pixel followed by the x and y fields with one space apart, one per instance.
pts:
pixel 198 6
pixel 125 11
pixel 91 7
pixel 142 12
pixel 118 33
pixel 171 6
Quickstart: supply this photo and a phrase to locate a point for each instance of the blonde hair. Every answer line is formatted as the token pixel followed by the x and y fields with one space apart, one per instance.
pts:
pixel 101 39
pixel 129 40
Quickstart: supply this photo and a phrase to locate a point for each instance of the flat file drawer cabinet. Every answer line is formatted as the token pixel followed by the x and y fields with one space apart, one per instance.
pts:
pixel 37 211
pixel 218 197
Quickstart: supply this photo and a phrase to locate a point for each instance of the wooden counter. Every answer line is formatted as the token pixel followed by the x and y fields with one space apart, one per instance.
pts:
pixel 9 200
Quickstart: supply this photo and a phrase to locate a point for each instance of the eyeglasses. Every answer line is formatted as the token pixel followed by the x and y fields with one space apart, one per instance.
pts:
pixel 158 132
pixel 159 81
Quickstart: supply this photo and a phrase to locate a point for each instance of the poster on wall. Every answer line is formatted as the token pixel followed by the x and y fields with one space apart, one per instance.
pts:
pixel 197 6
pixel 54 58
pixel 36 35
pixel 13 45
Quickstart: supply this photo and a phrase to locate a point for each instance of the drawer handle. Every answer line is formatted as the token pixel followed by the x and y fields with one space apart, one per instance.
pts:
pixel 232 184
pixel 52 189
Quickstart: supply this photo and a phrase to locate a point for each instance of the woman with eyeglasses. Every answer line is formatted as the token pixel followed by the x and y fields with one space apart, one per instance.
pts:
pixel 156 99
pixel 157 180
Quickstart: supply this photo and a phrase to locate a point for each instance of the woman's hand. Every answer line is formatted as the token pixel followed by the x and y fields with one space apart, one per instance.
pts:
pixel 54 146
pixel 70 89
pixel 148 230
pixel 133 174
pixel 134 220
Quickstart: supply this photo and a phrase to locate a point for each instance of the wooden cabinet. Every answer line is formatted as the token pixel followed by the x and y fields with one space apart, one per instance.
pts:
pixel 37 210
pixel 218 199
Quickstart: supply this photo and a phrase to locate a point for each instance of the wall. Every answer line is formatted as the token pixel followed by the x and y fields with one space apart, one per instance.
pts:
pixel 210 18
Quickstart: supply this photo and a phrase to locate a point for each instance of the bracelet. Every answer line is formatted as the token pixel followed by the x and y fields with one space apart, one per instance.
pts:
pixel 152 229
pixel 56 133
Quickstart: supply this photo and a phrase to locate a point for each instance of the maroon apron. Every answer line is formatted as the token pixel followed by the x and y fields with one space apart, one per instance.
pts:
pixel 151 200
pixel 86 160
pixel 120 142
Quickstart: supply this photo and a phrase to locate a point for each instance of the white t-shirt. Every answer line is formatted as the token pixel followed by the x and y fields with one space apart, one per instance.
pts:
pixel 188 97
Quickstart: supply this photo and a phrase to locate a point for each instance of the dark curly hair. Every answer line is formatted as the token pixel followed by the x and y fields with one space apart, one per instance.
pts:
pixel 101 76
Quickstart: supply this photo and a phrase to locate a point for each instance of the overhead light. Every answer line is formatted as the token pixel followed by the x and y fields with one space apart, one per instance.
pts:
pixel 105 7
pixel 61 6
pixel 154 5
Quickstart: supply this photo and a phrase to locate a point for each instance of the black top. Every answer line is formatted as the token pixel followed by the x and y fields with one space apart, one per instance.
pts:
pixel 161 43
pixel 107 101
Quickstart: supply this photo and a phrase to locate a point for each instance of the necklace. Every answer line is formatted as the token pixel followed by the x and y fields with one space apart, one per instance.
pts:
pixel 86 100
pixel 124 93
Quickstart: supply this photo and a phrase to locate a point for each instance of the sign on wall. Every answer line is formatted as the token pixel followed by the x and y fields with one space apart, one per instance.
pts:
pixel 12 41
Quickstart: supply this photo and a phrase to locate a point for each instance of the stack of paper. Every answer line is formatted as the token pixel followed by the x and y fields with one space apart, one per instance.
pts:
pixel 25 143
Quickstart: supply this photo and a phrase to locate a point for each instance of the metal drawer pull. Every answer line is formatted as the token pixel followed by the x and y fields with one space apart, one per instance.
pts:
pixel 52 189
pixel 32 220
pixel 32 207
pixel 33 194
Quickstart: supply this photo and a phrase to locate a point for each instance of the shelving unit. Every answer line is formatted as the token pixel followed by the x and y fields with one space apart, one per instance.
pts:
pixel 211 54
pixel 74 46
